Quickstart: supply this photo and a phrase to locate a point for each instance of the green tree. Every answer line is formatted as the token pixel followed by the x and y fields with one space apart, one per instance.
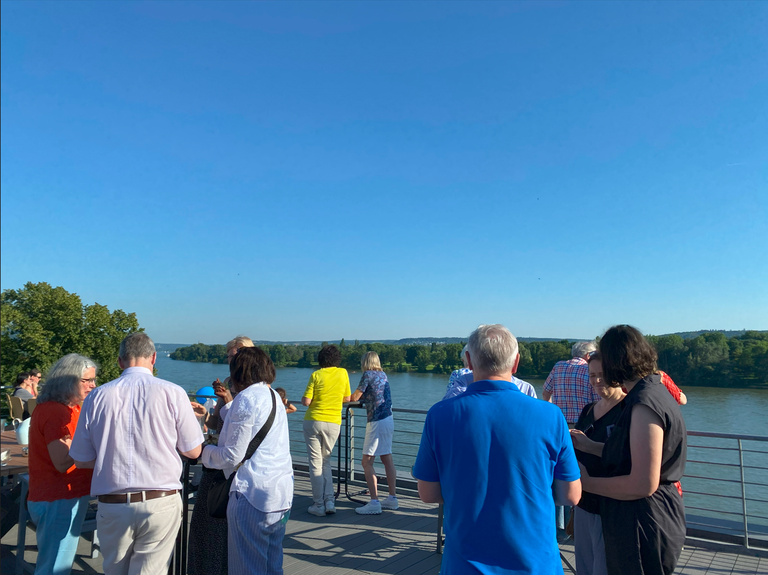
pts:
pixel 40 324
pixel 423 358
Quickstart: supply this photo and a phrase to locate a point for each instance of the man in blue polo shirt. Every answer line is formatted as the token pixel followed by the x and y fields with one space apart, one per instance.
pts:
pixel 499 460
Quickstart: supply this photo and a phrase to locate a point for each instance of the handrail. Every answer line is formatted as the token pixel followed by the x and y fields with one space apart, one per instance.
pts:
pixel 714 503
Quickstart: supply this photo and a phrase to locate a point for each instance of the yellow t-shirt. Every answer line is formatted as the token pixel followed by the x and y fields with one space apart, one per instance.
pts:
pixel 327 387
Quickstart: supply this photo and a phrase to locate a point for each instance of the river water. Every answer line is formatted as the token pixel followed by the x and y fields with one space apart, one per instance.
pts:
pixel 709 409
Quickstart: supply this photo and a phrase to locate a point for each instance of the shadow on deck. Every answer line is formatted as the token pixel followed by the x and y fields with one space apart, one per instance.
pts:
pixel 395 542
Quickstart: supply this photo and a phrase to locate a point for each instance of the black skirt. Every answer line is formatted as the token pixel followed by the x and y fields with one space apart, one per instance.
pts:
pixel 207 535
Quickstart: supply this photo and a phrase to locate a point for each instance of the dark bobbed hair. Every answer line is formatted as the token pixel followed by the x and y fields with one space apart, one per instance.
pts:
pixel 626 355
pixel 251 365
pixel 281 392
pixel 21 378
pixel 329 356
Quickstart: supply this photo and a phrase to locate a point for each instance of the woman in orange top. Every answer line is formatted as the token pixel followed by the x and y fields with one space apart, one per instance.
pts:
pixel 58 492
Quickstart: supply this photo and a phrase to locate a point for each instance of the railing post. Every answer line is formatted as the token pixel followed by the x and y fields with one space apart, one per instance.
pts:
pixel 743 496
pixel 351 444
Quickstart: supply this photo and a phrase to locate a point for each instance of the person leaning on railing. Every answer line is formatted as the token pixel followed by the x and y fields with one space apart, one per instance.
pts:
pixel 327 389
pixel 642 510
pixel 59 493
pixel 377 397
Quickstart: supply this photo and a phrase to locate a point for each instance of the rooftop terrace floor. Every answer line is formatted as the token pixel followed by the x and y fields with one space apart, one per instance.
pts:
pixel 401 542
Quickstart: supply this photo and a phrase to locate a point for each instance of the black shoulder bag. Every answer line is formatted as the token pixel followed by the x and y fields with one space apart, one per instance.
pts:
pixel 218 494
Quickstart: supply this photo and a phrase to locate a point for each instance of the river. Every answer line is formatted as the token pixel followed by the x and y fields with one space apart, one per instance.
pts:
pixel 708 409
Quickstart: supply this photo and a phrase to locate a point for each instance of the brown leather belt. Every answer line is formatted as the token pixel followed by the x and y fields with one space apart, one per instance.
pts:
pixel 135 497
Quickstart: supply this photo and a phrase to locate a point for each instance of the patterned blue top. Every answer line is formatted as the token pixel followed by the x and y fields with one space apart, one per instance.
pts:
pixel 456 385
pixel 376 395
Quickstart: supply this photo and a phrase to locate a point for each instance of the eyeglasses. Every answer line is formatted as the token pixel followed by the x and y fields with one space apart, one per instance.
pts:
pixel 88 380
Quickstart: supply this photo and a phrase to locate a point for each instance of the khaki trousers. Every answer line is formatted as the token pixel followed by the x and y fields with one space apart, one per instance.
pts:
pixel 320 437
pixel 138 538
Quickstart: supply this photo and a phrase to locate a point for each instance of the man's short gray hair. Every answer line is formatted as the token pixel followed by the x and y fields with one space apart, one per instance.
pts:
pixel 582 348
pixel 137 345
pixel 492 349
pixel 463 355
pixel 62 383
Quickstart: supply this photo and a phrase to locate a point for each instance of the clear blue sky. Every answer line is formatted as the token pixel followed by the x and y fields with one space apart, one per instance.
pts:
pixel 297 171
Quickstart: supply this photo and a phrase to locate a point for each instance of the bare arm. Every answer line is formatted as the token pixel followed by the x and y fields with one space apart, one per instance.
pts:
pixel 646 439
pixel 683 399
pixel 290 408
pixel 346 399
pixel 306 401
pixel 430 491
pixel 59 453
pixel 546 396
pixel 355 396
pixel 567 492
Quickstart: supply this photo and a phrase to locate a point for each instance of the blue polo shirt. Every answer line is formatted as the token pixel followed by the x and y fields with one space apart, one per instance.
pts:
pixel 496 452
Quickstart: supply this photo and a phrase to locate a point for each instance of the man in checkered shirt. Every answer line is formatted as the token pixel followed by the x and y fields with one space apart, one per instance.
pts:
pixel 568 385
pixel 569 389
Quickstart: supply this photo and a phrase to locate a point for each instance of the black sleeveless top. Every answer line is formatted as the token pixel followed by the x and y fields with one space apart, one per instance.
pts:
pixel 597 430
pixel 617 458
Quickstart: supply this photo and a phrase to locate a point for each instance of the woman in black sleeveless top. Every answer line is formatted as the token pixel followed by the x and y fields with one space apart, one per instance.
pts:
pixel 642 510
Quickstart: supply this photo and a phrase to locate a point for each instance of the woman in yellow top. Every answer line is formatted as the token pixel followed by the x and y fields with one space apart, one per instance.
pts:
pixel 328 388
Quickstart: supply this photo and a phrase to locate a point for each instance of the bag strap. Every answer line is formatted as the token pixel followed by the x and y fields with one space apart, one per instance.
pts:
pixel 256 441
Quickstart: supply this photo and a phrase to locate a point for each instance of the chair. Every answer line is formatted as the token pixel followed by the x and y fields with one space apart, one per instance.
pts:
pixel 15 406
pixel 31 404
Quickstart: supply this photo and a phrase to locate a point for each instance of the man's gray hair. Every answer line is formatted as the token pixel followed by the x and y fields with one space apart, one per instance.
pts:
pixel 463 355
pixel 582 348
pixel 62 383
pixel 136 345
pixel 492 349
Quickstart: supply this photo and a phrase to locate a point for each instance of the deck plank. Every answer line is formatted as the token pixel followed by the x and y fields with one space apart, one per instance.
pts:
pixel 395 542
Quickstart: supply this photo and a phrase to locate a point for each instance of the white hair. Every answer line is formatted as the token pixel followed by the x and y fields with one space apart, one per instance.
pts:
pixel 492 348
pixel 62 383
pixel 463 355
pixel 582 348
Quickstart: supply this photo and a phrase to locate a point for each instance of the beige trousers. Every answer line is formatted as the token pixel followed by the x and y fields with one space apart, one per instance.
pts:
pixel 138 538
pixel 320 437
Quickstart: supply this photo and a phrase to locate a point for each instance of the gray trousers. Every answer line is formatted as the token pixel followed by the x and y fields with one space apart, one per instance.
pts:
pixel 320 437
pixel 588 543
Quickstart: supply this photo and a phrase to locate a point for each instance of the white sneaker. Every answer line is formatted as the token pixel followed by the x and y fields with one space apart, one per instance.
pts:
pixel 373 507
pixel 330 507
pixel 315 509
pixel 390 503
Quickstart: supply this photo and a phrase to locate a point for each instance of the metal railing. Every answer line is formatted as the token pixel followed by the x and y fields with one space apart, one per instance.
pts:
pixel 725 487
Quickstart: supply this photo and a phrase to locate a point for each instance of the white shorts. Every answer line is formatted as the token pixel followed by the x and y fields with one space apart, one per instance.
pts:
pixel 378 437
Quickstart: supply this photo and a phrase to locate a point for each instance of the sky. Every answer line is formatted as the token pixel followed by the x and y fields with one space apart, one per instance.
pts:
pixel 381 170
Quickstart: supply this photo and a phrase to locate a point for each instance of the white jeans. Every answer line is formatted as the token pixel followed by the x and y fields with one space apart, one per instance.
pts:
pixel 320 437
pixel 588 543
pixel 138 538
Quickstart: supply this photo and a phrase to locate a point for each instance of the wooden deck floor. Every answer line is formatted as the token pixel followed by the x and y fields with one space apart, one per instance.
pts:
pixel 395 542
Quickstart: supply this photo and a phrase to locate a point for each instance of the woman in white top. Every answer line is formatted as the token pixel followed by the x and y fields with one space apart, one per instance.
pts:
pixel 262 491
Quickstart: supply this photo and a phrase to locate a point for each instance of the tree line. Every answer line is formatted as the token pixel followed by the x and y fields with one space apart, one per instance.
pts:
pixel 711 359
pixel 41 323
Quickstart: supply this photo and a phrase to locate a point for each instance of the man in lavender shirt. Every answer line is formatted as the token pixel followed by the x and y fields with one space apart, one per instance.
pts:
pixel 131 431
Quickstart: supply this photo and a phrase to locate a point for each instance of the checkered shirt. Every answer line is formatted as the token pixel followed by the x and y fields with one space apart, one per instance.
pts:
pixel 570 388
